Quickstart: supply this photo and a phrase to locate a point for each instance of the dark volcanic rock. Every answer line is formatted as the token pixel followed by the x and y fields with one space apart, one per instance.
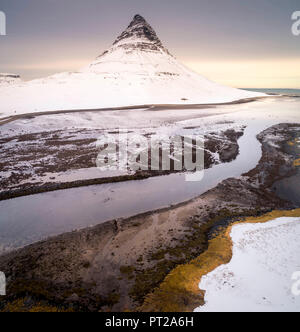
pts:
pixel 139 35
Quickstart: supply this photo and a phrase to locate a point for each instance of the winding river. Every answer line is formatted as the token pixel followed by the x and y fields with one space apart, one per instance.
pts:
pixel 28 219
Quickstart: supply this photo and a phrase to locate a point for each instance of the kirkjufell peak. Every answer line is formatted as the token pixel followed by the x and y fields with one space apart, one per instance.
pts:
pixel 139 34
pixel 138 20
pixel 136 70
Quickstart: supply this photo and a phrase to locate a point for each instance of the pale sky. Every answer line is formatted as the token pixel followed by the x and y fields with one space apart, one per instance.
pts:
pixel 239 43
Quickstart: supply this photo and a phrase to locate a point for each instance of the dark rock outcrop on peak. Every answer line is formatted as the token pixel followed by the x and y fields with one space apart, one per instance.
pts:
pixel 139 35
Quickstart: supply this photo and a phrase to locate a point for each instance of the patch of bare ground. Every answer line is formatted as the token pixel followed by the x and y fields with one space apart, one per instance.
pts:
pixel 31 163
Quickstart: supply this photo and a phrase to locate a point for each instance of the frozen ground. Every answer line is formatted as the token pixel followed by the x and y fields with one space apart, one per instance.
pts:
pixel 61 147
pixel 259 276
pixel 64 147
pixel 75 91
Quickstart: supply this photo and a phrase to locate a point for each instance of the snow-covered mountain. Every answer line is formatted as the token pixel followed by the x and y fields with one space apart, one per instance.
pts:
pixel 9 79
pixel 136 70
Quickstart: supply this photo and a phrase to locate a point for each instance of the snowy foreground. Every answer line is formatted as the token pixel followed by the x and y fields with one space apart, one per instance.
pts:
pixel 259 276
pixel 136 70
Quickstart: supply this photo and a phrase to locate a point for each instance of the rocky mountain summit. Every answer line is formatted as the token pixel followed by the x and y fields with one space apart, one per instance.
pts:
pixel 139 35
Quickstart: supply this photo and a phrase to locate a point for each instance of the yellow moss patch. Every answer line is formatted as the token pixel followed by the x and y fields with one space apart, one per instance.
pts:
pixel 292 143
pixel 297 163
pixel 180 292
pixel 20 306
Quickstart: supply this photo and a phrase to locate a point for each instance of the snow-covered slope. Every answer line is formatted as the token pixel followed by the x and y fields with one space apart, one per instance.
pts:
pixel 136 70
pixel 259 276
pixel 9 79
